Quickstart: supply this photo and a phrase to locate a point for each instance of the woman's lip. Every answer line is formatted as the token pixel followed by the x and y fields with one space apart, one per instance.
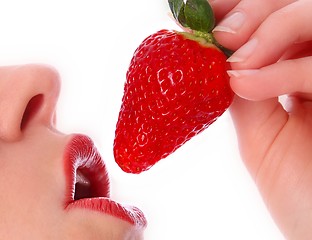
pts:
pixel 80 153
pixel 130 214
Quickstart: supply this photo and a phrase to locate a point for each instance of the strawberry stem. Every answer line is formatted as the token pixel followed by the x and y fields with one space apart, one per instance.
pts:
pixel 205 38
pixel 225 50
pixel 198 16
pixel 194 14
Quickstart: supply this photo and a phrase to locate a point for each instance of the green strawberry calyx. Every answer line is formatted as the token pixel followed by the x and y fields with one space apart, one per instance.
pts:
pixel 197 17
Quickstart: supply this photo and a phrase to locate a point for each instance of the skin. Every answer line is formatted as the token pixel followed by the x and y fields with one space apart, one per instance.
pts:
pixel 274 138
pixel 32 175
pixel 272 40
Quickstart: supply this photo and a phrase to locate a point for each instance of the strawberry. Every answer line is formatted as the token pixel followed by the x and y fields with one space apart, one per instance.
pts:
pixel 176 87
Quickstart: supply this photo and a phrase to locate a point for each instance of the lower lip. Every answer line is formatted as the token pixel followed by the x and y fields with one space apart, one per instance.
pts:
pixel 79 149
pixel 107 206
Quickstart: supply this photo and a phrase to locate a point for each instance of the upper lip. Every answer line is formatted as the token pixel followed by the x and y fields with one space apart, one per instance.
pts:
pixel 87 182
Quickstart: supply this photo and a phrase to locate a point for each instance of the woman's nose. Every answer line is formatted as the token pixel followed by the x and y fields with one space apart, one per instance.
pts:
pixel 28 96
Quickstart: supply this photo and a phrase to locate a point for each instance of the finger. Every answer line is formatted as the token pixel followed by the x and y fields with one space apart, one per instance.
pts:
pixel 256 124
pixel 298 50
pixel 284 77
pixel 244 19
pixel 280 31
pixel 222 7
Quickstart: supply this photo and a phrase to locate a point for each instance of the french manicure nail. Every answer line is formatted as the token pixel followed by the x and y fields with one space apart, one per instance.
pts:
pixel 231 24
pixel 244 52
pixel 240 73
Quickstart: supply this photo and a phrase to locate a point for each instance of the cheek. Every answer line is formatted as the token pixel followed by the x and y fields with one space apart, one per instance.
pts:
pixel 26 207
pixel 30 198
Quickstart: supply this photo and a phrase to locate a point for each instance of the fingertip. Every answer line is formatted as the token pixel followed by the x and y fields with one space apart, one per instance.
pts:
pixel 244 52
pixel 227 38
pixel 222 7
pixel 242 84
pixel 242 73
pixel 230 32
pixel 232 23
pixel 237 86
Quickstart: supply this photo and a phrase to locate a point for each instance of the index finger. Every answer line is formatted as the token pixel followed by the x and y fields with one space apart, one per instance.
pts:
pixel 280 31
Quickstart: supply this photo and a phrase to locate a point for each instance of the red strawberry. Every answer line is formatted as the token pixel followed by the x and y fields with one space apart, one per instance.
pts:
pixel 176 87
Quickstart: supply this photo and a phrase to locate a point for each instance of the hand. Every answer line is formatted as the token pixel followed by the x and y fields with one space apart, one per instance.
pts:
pixel 273 40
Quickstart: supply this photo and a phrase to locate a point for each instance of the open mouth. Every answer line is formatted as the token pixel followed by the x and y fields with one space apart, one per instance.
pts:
pixel 88 183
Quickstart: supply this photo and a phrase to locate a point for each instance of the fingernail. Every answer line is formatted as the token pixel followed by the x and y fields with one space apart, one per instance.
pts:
pixel 244 52
pixel 240 73
pixel 231 24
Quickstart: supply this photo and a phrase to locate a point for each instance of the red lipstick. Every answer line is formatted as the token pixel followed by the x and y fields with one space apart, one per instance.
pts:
pixel 88 183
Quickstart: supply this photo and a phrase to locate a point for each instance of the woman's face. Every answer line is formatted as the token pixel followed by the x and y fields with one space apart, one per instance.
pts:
pixel 52 186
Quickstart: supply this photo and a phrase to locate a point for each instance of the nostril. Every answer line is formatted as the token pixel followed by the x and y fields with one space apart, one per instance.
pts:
pixel 31 109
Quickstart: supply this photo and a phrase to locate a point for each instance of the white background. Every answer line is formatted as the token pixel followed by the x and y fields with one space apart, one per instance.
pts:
pixel 202 191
